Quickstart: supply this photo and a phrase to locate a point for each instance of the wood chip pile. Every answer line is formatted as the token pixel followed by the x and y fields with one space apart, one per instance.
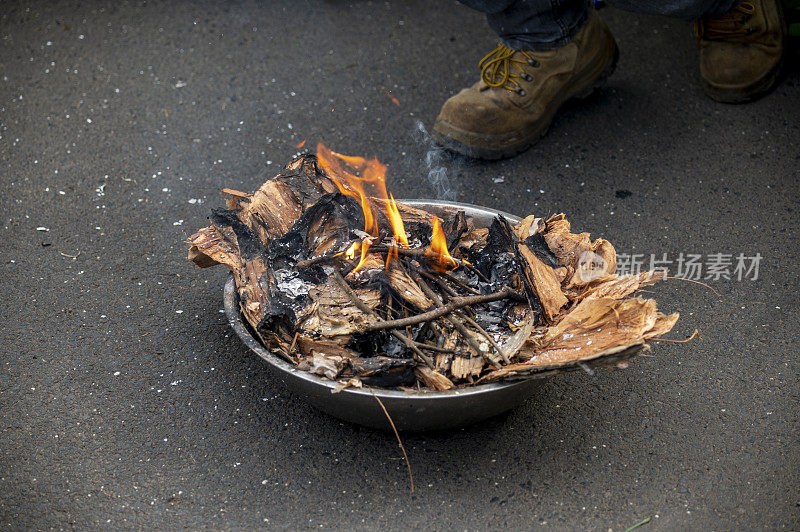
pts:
pixel 330 280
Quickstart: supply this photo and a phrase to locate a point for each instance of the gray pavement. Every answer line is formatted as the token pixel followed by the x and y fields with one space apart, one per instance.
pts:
pixel 126 401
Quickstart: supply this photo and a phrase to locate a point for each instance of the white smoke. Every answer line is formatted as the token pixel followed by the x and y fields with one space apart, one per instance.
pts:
pixel 444 188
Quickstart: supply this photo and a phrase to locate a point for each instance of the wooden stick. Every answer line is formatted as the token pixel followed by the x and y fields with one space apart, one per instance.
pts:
pixel 485 335
pixel 423 252
pixel 454 304
pixel 459 283
pixel 410 252
pixel 477 272
pixel 436 348
pixel 408 342
pixel 449 291
pixel 441 284
pixel 396 435
pixel 452 319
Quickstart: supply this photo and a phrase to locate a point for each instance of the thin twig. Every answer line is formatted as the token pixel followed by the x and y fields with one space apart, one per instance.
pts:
pixel 637 525
pixel 453 304
pixel 441 284
pixel 477 272
pixel 449 292
pixel 696 282
pixel 408 342
pixel 457 324
pixel 485 335
pixel 695 333
pixel 453 320
pixel 409 252
pixel 423 345
pixel 424 252
pixel 459 283
pixel 396 435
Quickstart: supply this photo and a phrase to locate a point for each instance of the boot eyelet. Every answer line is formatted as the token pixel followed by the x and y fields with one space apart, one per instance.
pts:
pixel 527 77
pixel 521 92
pixel 533 62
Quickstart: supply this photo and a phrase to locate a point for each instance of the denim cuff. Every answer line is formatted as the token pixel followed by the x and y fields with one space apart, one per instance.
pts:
pixel 540 43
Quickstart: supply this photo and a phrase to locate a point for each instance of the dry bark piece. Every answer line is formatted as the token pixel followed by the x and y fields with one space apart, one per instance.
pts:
pixel 454 228
pixel 475 238
pixel 309 347
pixel 464 367
pixel 323 365
pixel 544 282
pixel 433 379
pixel 619 286
pixel 585 261
pixel 405 287
pixel 664 324
pixel 331 313
pixel 528 227
pixel 236 199
pixel 210 246
pixel 220 244
pixel 597 326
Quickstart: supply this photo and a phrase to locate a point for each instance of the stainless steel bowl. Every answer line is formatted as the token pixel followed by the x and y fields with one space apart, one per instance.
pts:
pixel 410 411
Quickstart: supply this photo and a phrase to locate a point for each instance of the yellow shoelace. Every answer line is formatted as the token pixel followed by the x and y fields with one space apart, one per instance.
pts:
pixel 496 68
pixel 730 26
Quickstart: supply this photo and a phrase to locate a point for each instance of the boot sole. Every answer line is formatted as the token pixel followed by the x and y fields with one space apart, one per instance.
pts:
pixel 532 136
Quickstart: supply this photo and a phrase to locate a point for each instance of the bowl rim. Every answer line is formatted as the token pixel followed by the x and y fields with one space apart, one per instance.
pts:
pixel 235 320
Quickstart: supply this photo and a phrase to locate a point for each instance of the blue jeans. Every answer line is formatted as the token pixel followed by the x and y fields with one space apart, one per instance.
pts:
pixel 546 24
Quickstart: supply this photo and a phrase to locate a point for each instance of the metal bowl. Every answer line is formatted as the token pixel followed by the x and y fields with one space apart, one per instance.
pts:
pixel 410 411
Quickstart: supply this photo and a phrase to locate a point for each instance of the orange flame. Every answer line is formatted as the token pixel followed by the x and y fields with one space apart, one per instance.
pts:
pixel 364 247
pixel 348 183
pixel 437 251
pixel 302 143
pixel 370 183
pixel 351 251
pixel 391 255
pixel 399 229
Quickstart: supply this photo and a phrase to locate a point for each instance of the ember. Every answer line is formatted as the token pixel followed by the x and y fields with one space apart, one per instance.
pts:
pixel 340 279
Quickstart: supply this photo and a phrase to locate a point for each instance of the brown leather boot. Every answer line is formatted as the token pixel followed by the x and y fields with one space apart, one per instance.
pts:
pixel 520 91
pixel 741 51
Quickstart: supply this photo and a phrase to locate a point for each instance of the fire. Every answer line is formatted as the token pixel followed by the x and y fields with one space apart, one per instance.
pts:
pixel 370 183
pixel 351 251
pixel 397 222
pixel 391 255
pixel 364 247
pixel 348 183
pixel 437 251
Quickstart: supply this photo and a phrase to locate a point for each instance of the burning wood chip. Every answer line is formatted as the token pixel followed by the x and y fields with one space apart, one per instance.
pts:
pixel 345 282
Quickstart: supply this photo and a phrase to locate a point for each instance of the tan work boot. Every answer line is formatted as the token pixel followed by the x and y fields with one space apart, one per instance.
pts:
pixel 520 91
pixel 741 51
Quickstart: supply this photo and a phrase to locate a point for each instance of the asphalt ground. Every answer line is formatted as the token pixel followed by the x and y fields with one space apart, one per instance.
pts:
pixel 127 402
